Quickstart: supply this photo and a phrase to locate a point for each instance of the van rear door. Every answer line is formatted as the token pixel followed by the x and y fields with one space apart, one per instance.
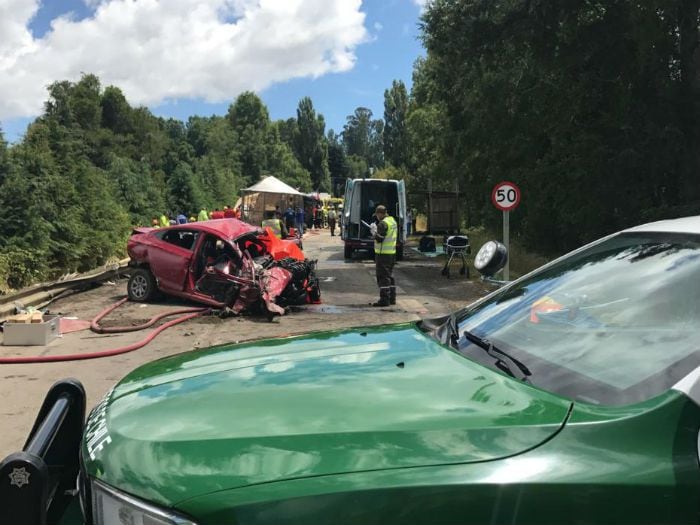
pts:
pixel 346 209
pixel 401 212
pixel 354 209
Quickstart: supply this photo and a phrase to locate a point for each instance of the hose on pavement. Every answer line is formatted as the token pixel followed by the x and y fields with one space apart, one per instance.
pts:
pixel 188 313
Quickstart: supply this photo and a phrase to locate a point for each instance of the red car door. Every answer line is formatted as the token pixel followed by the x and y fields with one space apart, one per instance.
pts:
pixel 170 257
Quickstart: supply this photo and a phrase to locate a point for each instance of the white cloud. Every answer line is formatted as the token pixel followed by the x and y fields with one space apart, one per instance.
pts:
pixel 16 40
pixel 164 50
pixel 378 26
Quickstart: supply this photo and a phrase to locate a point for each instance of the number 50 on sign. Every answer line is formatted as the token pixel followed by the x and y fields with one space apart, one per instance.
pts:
pixel 505 196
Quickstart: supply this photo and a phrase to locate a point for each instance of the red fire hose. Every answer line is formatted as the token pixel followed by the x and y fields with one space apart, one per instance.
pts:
pixel 95 327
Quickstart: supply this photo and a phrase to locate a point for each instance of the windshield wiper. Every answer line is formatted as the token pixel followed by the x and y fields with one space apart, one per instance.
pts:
pixel 453 331
pixel 504 361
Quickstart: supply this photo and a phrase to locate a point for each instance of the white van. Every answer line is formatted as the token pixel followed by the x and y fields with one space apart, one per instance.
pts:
pixel 362 196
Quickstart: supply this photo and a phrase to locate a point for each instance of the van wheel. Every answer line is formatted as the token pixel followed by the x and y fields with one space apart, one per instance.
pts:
pixel 348 252
pixel 141 286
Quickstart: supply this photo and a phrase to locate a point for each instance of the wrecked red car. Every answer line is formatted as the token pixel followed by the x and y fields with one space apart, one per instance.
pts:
pixel 222 263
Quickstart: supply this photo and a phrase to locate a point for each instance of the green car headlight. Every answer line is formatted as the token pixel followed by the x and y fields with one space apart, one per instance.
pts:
pixel 112 507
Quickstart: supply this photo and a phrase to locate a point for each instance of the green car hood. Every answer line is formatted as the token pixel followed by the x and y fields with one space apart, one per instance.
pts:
pixel 315 405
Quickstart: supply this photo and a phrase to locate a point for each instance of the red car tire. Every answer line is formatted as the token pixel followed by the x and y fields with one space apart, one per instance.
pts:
pixel 142 285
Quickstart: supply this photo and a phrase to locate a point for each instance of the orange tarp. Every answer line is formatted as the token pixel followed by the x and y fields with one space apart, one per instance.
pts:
pixel 280 248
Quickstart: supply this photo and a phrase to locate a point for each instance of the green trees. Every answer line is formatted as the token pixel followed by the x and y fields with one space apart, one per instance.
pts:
pixel 363 138
pixel 41 204
pixel 184 193
pixel 337 162
pixel 588 106
pixel 310 145
pixel 285 166
pixel 106 223
pixel 395 133
pixel 4 161
pixel 261 150
pixel 250 121
pixel 137 191
pixel 215 161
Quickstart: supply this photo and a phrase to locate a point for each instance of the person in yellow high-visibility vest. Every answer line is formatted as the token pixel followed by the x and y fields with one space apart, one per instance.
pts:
pixel 163 220
pixel 275 223
pixel 385 233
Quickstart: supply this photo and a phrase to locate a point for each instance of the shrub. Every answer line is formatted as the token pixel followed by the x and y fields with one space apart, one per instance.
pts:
pixel 20 268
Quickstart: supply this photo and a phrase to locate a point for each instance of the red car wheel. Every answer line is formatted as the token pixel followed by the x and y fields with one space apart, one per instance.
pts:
pixel 142 285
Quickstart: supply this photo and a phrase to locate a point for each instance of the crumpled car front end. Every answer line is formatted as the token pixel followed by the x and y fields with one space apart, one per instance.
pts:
pixel 261 279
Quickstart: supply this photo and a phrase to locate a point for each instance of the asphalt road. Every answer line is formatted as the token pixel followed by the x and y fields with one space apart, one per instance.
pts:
pixel 347 287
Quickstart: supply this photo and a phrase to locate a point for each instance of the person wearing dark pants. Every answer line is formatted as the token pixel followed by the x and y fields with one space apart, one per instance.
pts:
pixel 332 215
pixel 385 233
pixel 300 220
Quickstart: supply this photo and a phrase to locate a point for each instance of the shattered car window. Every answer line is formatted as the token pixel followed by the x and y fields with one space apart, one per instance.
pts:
pixel 182 238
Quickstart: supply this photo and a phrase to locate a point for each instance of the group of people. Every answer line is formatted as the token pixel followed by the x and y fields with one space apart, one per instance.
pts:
pixel 324 215
pixel 293 218
pixel 296 218
pixel 229 212
pixel 282 224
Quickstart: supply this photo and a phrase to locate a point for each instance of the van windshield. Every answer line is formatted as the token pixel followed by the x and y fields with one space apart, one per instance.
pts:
pixel 615 323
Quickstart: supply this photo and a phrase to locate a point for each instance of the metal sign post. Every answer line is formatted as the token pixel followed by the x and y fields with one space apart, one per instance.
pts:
pixel 430 206
pixel 506 197
pixel 506 241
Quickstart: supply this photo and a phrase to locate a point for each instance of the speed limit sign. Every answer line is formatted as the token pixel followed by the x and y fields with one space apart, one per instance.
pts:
pixel 505 196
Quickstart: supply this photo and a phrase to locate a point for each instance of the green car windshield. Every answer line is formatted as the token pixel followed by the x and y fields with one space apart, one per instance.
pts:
pixel 614 323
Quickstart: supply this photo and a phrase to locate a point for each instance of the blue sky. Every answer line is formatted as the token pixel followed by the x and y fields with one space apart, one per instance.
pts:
pixel 385 52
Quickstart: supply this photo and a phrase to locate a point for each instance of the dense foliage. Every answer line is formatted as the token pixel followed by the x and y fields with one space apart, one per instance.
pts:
pixel 591 107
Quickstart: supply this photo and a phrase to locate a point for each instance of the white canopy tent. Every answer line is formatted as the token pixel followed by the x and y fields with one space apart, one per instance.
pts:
pixel 267 195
